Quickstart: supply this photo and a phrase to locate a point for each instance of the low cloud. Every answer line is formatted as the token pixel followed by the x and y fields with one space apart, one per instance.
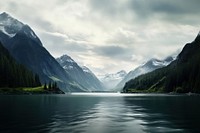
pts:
pixel 111 51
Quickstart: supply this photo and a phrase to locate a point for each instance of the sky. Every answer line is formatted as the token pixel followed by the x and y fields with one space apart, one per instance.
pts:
pixel 109 35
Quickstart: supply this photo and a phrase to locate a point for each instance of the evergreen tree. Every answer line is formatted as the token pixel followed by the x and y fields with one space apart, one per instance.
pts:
pixel 50 86
pixel 45 86
pixel 37 80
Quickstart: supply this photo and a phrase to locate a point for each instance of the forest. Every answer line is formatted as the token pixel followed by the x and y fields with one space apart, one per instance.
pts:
pixel 181 76
pixel 13 75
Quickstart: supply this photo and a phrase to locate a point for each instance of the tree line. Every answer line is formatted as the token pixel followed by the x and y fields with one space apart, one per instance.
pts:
pixel 52 86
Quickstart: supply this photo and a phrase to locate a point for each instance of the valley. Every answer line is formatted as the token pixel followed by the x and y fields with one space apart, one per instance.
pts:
pixel 99 66
pixel 21 44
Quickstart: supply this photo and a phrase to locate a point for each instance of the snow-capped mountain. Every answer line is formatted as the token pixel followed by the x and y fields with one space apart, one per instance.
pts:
pixel 92 77
pixel 87 70
pixel 24 45
pixel 111 80
pixel 149 66
pixel 82 75
pixel 10 26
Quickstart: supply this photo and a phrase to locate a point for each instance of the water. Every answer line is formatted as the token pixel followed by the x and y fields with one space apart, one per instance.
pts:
pixel 100 113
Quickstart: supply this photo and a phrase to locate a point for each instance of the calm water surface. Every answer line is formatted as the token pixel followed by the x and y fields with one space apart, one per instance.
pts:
pixel 100 113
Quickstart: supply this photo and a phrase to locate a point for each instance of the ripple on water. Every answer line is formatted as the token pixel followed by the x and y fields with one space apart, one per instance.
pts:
pixel 99 113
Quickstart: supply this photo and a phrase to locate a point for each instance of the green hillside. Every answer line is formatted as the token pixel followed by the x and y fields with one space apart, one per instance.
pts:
pixel 182 75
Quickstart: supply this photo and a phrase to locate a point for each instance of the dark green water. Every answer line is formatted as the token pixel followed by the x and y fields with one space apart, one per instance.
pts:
pixel 99 113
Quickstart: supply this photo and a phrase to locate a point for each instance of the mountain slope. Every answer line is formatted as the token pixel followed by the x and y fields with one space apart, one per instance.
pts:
pixel 149 66
pixel 27 49
pixel 96 83
pixel 111 80
pixel 14 75
pixel 82 75
pixel 182 75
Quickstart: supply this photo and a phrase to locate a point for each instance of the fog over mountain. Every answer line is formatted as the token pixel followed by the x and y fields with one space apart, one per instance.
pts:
pixel 110 80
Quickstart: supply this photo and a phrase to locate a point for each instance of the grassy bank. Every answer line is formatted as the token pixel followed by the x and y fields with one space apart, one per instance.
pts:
pixel 35 90
pixel 144 91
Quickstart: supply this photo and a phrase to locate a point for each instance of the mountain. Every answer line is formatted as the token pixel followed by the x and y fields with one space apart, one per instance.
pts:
pixel 92 77
pixel 13 74
pixel 149 66
pixel 82 75
pixel 182 75
pixel 24 45
pixel 111 80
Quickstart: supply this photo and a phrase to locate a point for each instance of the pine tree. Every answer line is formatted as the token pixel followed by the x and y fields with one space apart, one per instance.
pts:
pixel 37 80
pixel 45 86
pixel 50 86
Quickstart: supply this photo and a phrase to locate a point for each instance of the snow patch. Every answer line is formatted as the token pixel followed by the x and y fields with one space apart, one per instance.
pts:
pixel 157 63
pixel 30 34
pixel 8 21
pixel 85 69
pixel 70 60
pixel 9 25
pixel 66 58
pixel 68 67
pixel 2 29
pixel 33 34
pixel 116 76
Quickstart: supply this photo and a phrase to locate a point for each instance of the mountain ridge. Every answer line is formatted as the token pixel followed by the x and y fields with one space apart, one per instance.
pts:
pixel 80 74
pixel 112 79
pixel 13 74
pixel 28 50
pixel 181 76
pixel 149 66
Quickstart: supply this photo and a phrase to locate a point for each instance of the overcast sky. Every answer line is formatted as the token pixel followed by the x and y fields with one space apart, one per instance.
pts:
pixel 109 35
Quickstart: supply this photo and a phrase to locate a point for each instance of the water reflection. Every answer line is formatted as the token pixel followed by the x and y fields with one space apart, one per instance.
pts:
pixel 166 113
pixel 99 113
pixel 108 115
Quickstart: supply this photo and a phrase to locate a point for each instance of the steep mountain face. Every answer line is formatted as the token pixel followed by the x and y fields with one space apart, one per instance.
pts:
pixel 182 75
pixel 27 49
pixel 15 75
pixel 82 75
pixel 111 80
pixel 149 66
pixel 92 77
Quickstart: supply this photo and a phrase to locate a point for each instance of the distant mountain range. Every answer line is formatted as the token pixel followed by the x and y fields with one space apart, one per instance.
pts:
pixel 182 75
pixel 24 45
pixel 149 66
pixel 112 79
pixel 82 75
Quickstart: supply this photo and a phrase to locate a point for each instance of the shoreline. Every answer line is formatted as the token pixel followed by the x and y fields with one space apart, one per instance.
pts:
pixel 27 91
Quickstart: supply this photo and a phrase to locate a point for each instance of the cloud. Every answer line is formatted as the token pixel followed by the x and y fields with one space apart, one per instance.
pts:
pixel 108 35
pixel 62 44
pixel 123 37
pixel 145 11
pixel 114 52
